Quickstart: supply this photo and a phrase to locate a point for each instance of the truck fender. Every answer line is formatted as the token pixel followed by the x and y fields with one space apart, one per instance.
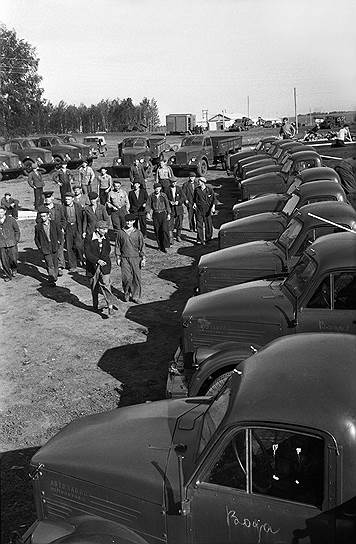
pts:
pixel 84 530
pixel 219 362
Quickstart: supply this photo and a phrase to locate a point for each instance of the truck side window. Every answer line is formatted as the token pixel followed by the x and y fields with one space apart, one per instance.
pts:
pixel 345 291
pixel 322 296
pixel 288 466
pixel 230 469
pixel 313 234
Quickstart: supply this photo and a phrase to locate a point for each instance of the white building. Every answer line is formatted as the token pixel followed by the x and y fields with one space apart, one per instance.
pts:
pixel 222 121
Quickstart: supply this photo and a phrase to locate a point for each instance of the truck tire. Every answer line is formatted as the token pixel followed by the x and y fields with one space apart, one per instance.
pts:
pixel 217 384
pixel 58 160
pixel 202 167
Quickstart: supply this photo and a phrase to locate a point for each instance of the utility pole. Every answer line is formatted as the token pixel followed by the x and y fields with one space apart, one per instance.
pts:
pixel 223 120
pixel 295 108
pixel 248 106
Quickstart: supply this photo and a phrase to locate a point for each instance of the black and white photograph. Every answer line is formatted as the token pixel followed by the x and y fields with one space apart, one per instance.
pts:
pixel 178 271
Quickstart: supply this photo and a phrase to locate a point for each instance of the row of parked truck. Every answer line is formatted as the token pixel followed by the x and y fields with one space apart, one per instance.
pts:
pixel 258 443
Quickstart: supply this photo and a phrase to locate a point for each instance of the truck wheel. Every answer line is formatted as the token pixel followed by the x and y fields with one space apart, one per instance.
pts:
pixel 217 384
pixel 202 167
pixel 58 160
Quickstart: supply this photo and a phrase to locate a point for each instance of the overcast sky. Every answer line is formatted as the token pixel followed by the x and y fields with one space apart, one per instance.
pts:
pixel 194 54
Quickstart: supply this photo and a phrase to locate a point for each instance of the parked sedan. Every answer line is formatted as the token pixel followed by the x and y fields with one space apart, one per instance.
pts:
pixel 270 259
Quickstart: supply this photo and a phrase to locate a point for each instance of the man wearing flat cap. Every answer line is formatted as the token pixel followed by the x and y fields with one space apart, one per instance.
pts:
pixel 175 196
pixel 73 230
pixel 11 205
pixel 204 205
pixel 64 178
pixel 86 177
pixel 189 187
pixel 56 214
pixel 48 236
pixel 159 210
pixel 93 213
pixel 130 256
pixel 36 182
pixel 98 265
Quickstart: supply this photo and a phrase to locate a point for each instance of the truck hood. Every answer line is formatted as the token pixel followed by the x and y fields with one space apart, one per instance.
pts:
pixel 265 203
pixel 188 151
pixel 125 449
pixel 255 223
pixel 251 256
pixel 255 302
pixel 262 170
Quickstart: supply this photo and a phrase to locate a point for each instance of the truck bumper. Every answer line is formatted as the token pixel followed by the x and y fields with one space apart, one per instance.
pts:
pixel 176 381
pixel 118 171
pixel 11 173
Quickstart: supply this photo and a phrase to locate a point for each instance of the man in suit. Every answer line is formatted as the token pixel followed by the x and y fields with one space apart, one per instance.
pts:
pixel 138 173
pixel 175 197
pixel 36 182
pixel 204 205
pixel 11 205
pixel 9 238
pixel 64 179
pixel 98 264
pixel 48 236
pixel 73 230
pixel 188 189
pixel 158 209
pixel 79 197
pixel 93 213
pixel 56 214
pixel 138 199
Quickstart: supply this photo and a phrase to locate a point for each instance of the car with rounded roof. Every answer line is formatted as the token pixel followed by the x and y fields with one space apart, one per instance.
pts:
pixel 85 150
pixel 10 165
pixel 250 151
pixel 29 153
pixel 61 152
pixel 270 259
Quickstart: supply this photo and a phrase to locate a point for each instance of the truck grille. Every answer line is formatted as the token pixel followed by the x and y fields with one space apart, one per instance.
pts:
pixel 208 333
pixel 182 157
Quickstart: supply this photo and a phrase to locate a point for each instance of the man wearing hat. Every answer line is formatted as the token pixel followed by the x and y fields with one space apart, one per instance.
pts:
pixel 175 197
pixel 64 178
pixel 138 173
pixel 86 177
pixel 9 238
pixel 158 208
pixel 130 256
pixel 11 205
pixel 164 174
pixel 79 197
pixel 36 182
pixel 93 213
pixel 56 215
pixel 73 230
pixel 104 185
pixel 98 264
pixel 138 199
pixel 188 190
pixel 48 237
pixel 204 205
pixel 118 205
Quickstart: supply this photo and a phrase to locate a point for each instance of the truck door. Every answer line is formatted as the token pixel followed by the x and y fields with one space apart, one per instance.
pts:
pixel 331 307
pixel 262 485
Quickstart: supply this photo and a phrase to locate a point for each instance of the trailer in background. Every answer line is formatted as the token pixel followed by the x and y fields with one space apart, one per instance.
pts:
pixel 180 123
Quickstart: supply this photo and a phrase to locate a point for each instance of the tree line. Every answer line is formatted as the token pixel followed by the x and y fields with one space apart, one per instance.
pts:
pixel 24 110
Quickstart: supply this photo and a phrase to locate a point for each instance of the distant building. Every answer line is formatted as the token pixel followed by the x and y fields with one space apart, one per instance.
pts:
pixel 221 122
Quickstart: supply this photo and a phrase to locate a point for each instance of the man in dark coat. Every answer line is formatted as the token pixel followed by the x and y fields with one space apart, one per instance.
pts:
pixel 188 189
pixel 64 179
pixel 56 214
pixel 158 208
pixel 48 236
pixel 204 205
pixel 138 173
pixel 11 205
pixel 36 182
pixel 175 197
pixel 138 199
pixel 9 238
pixel 73 230
pixel 98 264
pixel 93 213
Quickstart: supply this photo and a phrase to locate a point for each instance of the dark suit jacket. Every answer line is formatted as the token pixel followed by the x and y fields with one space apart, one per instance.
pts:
pixel 204 199
pixel 91 218
pixel 136 204
pixel 78 215
pixel 137 173
pixel 177 209
pixel 41 240
pixel 56 214
pixel 93 254
pixel 188 190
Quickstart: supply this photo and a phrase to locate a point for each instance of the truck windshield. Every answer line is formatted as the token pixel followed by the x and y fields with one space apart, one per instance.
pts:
pixel 26 144
pixel 56 141
pixel 214 415
pixel 291 205
pixel 134 142
pixel 287 166
pixel 300 276
pixel 192 140
pixel 294 185
pixel 288 237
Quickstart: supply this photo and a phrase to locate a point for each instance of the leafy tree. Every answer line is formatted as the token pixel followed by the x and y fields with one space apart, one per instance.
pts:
pixel 20 91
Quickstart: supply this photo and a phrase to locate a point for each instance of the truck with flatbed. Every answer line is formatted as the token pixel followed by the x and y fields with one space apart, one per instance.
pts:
pixel 318 295
pixel 270 459
pixel 201 152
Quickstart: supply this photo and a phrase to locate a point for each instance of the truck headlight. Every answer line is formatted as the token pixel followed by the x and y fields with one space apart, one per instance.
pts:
pixel 173 159
pixel 39 160
pixel 79 155
pixel 20 163
pixel 4 165
pixel 193 159
pixel 67 157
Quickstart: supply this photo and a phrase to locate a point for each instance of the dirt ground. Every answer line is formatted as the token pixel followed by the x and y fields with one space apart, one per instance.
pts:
pixel 60 361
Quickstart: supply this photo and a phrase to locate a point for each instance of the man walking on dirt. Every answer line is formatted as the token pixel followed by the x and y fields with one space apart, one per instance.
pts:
pixel 188 190
pixel 36 182
pixel 86 177
pixel 138 199
pixel 138 173
pixel 130 256
pixel 79 197
pixel 204 205
pixel 158 209
pixel 9 238
pixel 93 213
pixel 64 179
pixel 175 197
pixel 118 205
pixel 48 237
pixel 164 174
pixel 73 214
pixel 98 264
pixel 56 215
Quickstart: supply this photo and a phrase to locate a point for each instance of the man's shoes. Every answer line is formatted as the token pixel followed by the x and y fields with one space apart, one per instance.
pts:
pixel 14 273
pixel 179 239
pixel 199 243
pixel 73 270
pixel 110 311
pixel 164 250
pixel 137 300
pixel 126 297
pixel 7 279
pixel 60 271
pixel 208 240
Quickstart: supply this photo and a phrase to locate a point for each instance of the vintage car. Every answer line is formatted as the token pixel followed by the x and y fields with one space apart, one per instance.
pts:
pixel 85 150
pixel 318 295
pixel 29 153
pixel 229 468
pixel 269 225
pixel 269 181
pixel 314 191
pixel 152 149
pixel 10 165
pixel 61 152
pixel 250 150
pixel 201 152
pixel 267 259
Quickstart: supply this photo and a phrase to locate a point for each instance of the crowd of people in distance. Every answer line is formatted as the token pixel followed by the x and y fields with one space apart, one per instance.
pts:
pixel 74 232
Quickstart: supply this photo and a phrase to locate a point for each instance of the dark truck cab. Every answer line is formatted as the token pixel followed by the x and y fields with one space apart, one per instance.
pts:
pixel 61 151
pixel 85 150
pixel 269 225
pixel 201 152
pixel 270 259
pixel 29 153
pixel 252 150
pixel 152 149
pixel 268 180
pixel 234 468
pixel 10 165
pixel 318 295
